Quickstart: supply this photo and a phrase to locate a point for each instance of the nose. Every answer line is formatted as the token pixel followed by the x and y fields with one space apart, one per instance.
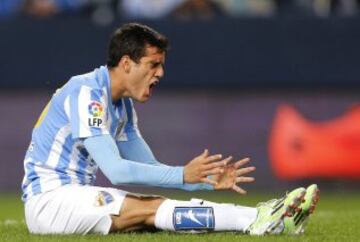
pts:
pixel 160 71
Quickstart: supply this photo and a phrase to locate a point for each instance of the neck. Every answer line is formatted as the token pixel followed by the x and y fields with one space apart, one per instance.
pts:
pixel 117 85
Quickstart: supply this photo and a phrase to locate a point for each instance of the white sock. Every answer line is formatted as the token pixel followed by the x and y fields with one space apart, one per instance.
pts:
pixel 228 217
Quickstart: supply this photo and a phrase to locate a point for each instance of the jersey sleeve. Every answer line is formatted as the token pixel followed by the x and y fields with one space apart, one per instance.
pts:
pixel 136 150
pixel 131 130
pixel 86 109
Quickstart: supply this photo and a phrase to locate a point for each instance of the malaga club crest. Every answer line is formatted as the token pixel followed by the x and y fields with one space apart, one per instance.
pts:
pixel 95 110
pixel 103 198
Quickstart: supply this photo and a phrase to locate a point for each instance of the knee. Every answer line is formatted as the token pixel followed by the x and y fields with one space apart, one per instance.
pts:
pixel 136 213
pixel 154 203
pixel 148 209
pixel 153 206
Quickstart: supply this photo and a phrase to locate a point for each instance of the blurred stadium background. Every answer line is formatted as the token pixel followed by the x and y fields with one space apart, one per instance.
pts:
pixel 232 64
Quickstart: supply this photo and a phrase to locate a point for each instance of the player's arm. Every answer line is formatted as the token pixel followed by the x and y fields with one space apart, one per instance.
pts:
pixel 133 147
pixel 138 150
pixel 103 150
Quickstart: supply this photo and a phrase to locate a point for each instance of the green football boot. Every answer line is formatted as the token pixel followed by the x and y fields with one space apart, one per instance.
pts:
pixel 296 224
pixel 271 214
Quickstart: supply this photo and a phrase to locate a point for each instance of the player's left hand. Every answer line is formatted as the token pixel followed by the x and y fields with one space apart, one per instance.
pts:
pixel 234 174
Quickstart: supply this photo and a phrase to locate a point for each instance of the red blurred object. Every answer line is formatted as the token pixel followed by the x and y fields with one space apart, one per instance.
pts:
pixel 300 148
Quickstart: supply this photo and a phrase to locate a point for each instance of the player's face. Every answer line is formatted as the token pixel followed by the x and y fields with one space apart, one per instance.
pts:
pixel 146 74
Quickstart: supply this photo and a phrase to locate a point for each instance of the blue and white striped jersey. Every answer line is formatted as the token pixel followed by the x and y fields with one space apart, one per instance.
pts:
pixel 81 108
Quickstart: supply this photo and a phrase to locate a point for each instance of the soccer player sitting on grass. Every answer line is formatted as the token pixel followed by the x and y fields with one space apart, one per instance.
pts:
pixel 91 122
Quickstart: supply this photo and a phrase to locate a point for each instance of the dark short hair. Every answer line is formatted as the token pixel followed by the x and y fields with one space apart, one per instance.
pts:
pixel 132 39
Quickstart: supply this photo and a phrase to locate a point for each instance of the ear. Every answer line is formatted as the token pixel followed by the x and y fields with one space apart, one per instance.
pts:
pixel 125 63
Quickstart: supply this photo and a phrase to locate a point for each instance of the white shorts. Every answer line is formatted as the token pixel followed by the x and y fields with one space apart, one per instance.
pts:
pixel 73 209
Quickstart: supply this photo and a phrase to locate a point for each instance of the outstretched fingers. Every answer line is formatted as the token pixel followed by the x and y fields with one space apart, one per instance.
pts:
pixel 215 168
pixel 212 158
pixel 209 181
pixel 203 166
pixel 244 179
pixel 241 162
pixel 238 189
pixel 244 171
pixel 240 172
pixel 216 163
pixel 205 153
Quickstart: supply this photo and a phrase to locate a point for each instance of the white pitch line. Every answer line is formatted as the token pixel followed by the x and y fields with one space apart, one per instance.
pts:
pixel 324 214
pixel 10 222
pixel 330 213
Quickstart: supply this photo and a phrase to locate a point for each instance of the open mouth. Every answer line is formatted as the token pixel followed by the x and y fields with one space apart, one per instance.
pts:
pixel 154 83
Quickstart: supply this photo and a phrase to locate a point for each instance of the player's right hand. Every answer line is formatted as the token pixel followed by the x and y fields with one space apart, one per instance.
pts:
pixel 201 167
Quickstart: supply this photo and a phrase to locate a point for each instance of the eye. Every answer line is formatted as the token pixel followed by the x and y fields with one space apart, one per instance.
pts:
pixel 155 65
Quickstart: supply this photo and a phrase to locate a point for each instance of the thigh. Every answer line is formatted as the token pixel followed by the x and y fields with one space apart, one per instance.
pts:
pixel 74 209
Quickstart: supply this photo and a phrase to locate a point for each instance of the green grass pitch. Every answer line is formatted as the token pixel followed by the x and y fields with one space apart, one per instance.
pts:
pixel 337 218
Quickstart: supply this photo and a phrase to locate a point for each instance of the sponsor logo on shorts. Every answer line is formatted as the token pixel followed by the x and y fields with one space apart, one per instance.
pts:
pixel 103 198
pixel 96 110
